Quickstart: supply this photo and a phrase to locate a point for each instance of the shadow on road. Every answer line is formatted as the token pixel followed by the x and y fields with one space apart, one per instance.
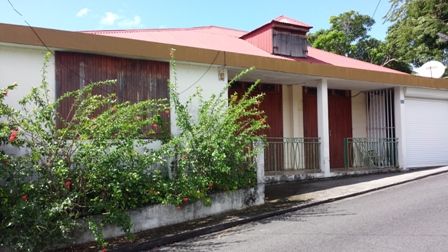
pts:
pixel 281 191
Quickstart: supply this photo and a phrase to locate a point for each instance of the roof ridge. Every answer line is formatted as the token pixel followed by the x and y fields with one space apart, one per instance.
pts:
pixel 158 30
pixel 291 21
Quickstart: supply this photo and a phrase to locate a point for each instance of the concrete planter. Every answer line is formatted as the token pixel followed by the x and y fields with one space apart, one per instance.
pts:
pixel 162 215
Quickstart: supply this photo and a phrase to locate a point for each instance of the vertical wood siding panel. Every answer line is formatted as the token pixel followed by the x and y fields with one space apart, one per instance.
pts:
pixel 137 80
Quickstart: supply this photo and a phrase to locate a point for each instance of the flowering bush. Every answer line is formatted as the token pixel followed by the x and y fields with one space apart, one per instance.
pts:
pixel 97 162
pixel 87 166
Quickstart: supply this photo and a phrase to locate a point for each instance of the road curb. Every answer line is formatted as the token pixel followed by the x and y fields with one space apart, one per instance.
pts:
pixel 219 227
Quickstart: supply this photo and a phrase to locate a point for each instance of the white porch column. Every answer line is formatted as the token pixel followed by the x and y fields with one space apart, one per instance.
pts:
pixel 322 129
pixel 399 110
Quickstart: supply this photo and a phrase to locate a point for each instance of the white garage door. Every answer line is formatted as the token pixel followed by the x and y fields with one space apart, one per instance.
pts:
pixel 426 132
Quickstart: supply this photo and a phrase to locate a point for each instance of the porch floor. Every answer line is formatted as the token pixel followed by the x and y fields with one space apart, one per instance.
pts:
pixel 272 177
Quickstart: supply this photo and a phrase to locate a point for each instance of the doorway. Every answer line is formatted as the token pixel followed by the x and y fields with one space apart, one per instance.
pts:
pixel 339 120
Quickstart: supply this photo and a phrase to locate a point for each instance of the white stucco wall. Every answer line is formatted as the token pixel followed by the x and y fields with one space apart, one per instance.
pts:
pixel 24 66
pixel 189 77
pixel 292 99
pixel 359 121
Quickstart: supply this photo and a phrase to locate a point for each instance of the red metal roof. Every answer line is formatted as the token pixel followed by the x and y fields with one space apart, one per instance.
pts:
pixel 229 40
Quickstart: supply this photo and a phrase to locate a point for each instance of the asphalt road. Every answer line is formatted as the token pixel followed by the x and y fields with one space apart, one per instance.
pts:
pixel 408 217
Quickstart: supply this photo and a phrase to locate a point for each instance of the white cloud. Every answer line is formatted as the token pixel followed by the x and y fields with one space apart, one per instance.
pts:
pixel 109 19
pixel 135 22
pixel 82 12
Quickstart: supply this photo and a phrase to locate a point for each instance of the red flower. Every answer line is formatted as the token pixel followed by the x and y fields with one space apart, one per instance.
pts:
pixel 262 120
pixel 113 109
pixel 210 185
pixel 155 125
pixel 68 184
pixel 184 156
pixel 185 200
pixel 178 208
pixel 6 93
pixel 104 250
pixel 24 197
pixel 167 112
pixel 13 135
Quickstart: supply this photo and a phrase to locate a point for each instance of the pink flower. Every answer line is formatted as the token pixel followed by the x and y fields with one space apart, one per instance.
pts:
pixel 210 185
pixel 6 93
pixel 104 250
pixel 68 184
pixel 155 125
pixel 167 112
pixel 184 156
pixel 178 208
pixel 185 200
pixel 24 197
pixel 113 109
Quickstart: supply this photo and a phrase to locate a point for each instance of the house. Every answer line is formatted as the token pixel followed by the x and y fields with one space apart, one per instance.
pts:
pixel 325 111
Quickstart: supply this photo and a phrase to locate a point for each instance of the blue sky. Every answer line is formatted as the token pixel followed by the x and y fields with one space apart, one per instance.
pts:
pixel 78 15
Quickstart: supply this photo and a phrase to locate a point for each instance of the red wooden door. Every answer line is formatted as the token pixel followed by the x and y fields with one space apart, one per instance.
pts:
pixel 310 127
pixel 340 120
pixel 340 124
pixel 272 107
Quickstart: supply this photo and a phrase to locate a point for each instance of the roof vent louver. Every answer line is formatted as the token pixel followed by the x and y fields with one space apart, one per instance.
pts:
pixel 288 43
pixel 282 36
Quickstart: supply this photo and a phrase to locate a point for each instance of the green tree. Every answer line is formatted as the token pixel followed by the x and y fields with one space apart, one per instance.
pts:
pixel 347 30
pixel 415 28
pixel 348 36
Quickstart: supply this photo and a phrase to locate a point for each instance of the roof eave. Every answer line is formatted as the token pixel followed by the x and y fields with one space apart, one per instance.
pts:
pixel 97 44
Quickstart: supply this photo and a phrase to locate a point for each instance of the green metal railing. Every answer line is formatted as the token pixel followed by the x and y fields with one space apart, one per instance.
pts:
pixel 370 153
pixel 291 154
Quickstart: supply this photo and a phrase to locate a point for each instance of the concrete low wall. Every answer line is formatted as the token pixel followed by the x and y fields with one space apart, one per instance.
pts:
pixel 297 176
pixel 162 215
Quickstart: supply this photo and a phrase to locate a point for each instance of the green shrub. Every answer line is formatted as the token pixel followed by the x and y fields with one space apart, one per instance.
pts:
pixel 215 147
